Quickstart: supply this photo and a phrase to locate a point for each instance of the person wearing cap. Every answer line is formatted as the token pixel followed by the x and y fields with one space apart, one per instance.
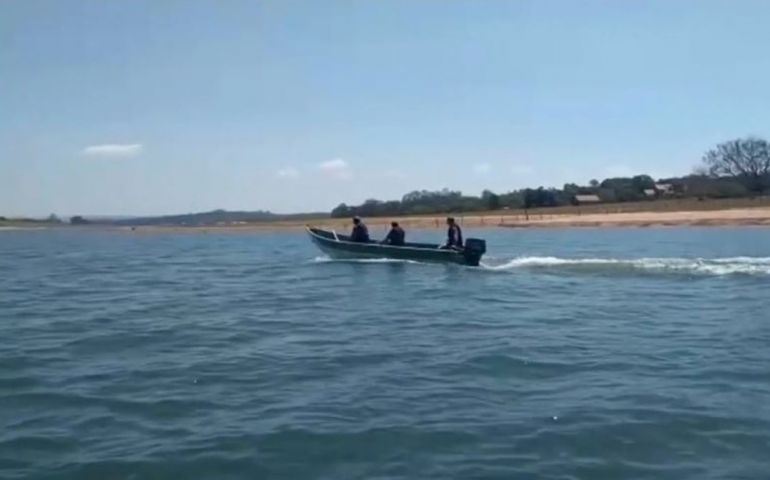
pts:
pixel 454 234
pixel 395 236
pixel 360 233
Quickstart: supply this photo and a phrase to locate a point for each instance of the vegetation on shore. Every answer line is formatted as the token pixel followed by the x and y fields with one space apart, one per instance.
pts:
pixel 30 222
pixel 735 169
pixel 219 217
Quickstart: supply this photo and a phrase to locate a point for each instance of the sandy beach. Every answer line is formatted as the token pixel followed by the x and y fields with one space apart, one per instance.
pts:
pixel 664 213
pixel 756 216
pixel 735 217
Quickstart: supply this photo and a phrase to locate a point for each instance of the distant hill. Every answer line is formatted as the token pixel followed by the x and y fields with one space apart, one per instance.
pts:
pixel 217 217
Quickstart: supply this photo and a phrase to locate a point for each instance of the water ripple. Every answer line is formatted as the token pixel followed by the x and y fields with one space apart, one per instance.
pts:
pixel 585 354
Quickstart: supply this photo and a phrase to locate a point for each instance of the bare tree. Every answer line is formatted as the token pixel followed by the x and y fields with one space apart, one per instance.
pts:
pixel 747 159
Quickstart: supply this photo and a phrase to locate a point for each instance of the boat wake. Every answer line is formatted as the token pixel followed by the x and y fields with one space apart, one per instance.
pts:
pixel 324 259
pixel 694 266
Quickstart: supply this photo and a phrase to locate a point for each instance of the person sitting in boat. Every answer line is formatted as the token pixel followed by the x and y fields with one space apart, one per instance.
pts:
pixel 395 236
pixel 360 233
pixel 454 235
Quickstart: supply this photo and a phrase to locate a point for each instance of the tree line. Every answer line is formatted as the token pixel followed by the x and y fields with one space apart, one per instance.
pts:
pixel 735 169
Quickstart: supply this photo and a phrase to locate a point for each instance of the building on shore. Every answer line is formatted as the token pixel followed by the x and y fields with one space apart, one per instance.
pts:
pixel 587 199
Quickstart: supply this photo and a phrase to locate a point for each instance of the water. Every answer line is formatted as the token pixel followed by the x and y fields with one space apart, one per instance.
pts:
pixel 639 353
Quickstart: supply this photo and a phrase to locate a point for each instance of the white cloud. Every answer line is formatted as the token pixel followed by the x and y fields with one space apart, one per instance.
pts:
pixel 482 168
pixel 287 172
pixel 113 150
pixel 336 168
pixel 334 165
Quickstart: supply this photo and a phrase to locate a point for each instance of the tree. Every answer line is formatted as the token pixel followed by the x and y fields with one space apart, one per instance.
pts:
pixel 490 199
pixel 594 183
pixel 571 189
pixel 746 159
pixel 512 199
pixel 705 186
pixel 529 198
pixel 341 210
pixel 643 182
pixel 78 220
pixel 624 189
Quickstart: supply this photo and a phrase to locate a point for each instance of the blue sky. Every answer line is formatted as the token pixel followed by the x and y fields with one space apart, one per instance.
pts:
pixel 149 107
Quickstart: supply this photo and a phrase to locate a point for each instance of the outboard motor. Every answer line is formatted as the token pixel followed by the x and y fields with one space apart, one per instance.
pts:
pixel 474 249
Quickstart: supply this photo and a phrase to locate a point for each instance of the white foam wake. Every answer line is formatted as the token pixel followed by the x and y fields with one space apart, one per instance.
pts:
pixel 324 259
pixel 707 266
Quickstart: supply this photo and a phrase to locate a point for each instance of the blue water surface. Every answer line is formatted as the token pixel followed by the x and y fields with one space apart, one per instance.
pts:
pixel 596 354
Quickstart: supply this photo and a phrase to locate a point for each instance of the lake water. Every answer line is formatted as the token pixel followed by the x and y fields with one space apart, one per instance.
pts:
pixel 591 354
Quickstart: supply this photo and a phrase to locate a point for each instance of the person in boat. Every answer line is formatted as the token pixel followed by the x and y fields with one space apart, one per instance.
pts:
pixel 360 233
pixel 395 236
pixel 454 235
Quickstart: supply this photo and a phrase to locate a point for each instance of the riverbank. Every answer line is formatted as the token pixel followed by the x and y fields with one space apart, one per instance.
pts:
pixel 662 213
pixel 758 216
pixel 714 218
pixel 16 227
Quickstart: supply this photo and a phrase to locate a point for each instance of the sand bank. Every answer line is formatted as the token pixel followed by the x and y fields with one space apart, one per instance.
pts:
pixel 759 216
pixel 732 217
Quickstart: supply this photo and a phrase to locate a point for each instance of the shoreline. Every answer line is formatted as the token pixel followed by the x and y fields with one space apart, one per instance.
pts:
pixel 576 217
pixel 737 217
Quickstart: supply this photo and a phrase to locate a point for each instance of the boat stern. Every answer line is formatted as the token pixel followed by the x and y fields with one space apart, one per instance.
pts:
pixel 474 249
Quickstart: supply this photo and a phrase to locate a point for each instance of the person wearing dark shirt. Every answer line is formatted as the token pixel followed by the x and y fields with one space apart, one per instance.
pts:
pixel 360 233
pixel 395 236
pixel 454 234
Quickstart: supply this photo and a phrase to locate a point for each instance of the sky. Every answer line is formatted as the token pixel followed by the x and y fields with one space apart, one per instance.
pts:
pixel 146 107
